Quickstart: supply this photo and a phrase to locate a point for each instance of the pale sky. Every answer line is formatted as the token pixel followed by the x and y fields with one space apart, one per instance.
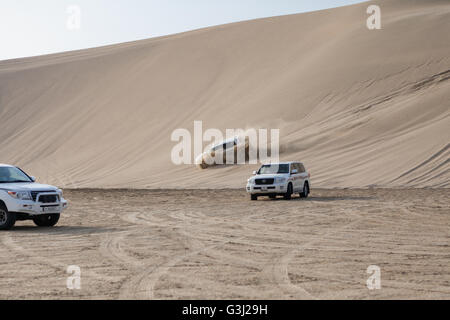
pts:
pixel 36 27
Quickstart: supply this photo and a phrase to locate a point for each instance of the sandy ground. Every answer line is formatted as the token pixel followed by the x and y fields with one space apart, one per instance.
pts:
pixel 218 244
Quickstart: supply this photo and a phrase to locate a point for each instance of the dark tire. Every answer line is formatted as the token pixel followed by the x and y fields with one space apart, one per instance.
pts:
pixel 254 197
pixel 288 194
pixel 7 219
pixel 305 192
pixel 46 220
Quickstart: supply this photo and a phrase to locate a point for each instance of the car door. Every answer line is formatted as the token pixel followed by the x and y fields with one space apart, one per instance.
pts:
pixel 303 176
pixel 295 176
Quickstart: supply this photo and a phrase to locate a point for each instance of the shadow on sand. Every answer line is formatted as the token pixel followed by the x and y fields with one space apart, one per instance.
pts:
pixel 69 230
pixel 322 199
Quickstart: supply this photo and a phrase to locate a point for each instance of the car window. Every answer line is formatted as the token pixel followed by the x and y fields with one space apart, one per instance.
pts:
pixel 294 166
pixel 274 169
pixel 302 168
pixel 12 174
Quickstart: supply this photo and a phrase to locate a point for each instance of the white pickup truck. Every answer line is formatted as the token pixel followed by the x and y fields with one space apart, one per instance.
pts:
pixel 285 178
pixel 21 198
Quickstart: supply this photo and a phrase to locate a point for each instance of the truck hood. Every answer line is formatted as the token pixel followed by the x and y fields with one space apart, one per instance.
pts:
pixel 27 187
pixel 271 176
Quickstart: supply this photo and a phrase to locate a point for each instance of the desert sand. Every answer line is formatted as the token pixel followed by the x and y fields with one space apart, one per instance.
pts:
pixel 217 244
pixel 360 108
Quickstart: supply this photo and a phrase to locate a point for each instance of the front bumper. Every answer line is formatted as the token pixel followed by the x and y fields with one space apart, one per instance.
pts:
pixel 266 189
pixel 33 208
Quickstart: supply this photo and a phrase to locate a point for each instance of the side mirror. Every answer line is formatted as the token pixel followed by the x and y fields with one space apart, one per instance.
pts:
pixel 295 171
pixel 33 178
pixel 255 173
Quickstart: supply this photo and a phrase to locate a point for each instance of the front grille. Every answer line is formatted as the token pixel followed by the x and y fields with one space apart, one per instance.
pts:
pixel 48 198
pixel 268 188
pixel 35 193
pixel 263 181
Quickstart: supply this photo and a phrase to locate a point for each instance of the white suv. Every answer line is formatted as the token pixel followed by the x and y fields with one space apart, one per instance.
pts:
pixel 21 198
pixel 285 178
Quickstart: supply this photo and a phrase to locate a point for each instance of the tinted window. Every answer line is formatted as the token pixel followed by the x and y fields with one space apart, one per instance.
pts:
pixel 12 174
pixel 293 167
pixel 302 168
pixel 274 169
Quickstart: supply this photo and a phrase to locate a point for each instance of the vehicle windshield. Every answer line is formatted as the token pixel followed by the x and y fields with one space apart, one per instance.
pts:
pixel 274 169
pixel 12 175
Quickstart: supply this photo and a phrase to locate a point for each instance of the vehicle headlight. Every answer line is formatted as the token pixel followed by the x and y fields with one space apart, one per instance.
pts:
pixel 280 180
pixel 60 192
pixel 21 195
pixel 251 180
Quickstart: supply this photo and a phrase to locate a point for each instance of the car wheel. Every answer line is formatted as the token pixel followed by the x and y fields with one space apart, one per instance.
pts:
pixel 288 194
pixel 305 192
pixel 7 219
pixel 46 220
pixel 254 197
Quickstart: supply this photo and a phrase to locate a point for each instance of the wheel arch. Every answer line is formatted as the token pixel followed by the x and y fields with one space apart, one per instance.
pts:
pixel 2 203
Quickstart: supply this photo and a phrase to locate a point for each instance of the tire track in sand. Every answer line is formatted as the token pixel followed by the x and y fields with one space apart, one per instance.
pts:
pixel 59 266
pixel 142 285
pixel 279 270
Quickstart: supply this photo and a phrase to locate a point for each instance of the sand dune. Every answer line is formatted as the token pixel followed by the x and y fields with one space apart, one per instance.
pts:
pixel 361 108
